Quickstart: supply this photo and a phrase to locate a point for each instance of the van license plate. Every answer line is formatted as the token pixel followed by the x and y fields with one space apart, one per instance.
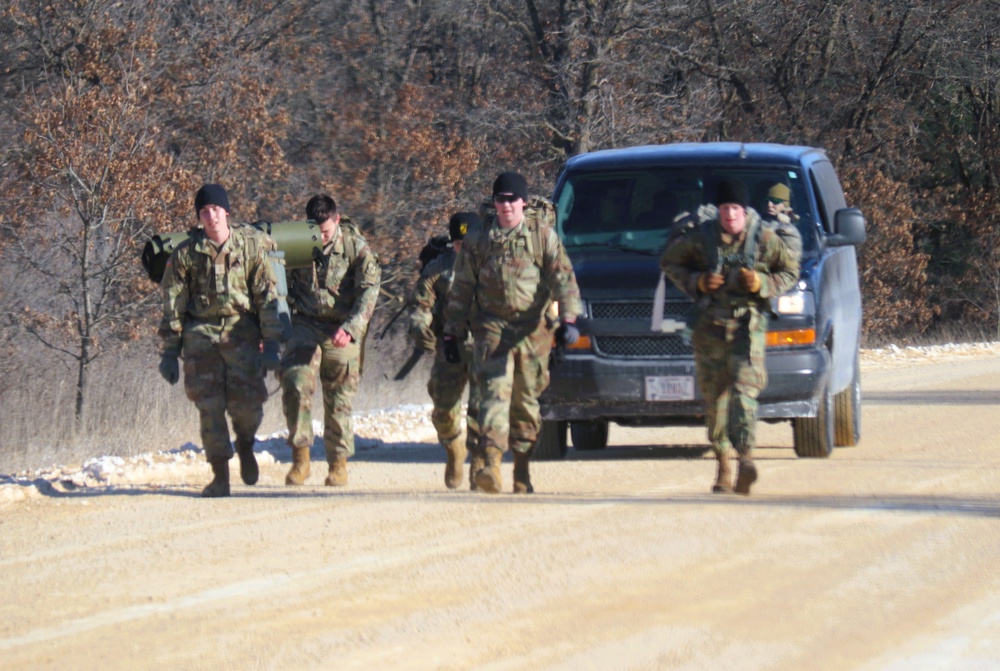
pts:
pixel 669 388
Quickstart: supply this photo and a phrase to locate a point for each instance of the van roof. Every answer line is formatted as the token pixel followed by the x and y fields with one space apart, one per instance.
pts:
pixel 697 153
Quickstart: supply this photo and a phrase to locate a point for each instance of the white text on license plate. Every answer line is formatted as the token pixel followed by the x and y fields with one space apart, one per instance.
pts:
pixel 669 388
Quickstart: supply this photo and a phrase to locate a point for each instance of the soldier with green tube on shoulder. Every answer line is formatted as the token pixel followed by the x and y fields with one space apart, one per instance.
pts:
pixel 220 315
pixel 332 300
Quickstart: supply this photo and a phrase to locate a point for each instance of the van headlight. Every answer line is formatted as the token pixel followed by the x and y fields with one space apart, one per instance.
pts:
pixel 792 304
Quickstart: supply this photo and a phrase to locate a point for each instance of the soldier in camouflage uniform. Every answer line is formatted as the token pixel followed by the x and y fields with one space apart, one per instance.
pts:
pixel 332 302
pixel 219 302
pixel 730 329
pixel 448 380
pixel 506 276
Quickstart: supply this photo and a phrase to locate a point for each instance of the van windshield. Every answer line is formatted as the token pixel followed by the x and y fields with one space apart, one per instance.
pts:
pixel 636 209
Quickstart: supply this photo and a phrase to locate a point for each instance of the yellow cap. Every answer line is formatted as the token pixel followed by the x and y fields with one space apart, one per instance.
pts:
pixel 781 192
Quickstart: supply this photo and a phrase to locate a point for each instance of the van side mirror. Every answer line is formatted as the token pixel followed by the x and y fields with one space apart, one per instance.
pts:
pixel 848 227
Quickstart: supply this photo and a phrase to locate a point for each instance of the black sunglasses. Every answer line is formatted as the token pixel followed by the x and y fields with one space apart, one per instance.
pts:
pixel 505 197
pixel 775 201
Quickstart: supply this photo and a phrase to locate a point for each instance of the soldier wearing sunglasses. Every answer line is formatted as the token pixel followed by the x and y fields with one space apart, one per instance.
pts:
pixel 507 275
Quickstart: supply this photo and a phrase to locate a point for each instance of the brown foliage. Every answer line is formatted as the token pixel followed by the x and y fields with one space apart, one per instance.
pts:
pixel 113 113
pixel 974 285
pixel 893 274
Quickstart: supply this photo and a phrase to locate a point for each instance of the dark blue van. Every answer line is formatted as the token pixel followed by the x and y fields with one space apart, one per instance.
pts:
pixel 616 209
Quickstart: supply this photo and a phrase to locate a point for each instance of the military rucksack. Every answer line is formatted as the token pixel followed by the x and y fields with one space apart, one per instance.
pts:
pixel 435 247
pixel 541 210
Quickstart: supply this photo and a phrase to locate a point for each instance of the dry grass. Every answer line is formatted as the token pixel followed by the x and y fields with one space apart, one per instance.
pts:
pixel 131 410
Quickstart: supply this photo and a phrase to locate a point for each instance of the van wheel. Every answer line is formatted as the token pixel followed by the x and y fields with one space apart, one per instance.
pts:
pixel 847 412
pixel 813 436
pixel 589 435
pixel 551 442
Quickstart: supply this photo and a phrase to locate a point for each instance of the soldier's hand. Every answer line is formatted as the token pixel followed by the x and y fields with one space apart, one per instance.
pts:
pixel 341 338
pixel 749 280
pixel 711 282
pixel 269 358
pixel 423 337
pixel 169 367
pixel 452 352
pixel 567 334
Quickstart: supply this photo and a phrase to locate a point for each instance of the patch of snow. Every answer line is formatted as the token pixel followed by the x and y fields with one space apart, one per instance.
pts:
pixel 401 426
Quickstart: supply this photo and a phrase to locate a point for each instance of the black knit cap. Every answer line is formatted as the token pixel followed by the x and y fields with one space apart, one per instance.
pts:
pixel 460 223
pixel 511 182
pixel 731 191
pixel 211 194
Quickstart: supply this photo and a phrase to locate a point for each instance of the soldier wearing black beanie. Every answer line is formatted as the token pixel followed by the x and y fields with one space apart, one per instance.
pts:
pixel 731 191
pixel 211 194
pixel 513 183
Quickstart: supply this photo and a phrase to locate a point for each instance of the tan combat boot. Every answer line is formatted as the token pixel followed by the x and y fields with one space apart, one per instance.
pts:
pixel 249 472
pixel 219 486
pixel 300 467
pixel 456 460
pixel 338 471
pixel 747 475
pixel 488 477
pixel 476 464
pixel 724 478
pixel 522 479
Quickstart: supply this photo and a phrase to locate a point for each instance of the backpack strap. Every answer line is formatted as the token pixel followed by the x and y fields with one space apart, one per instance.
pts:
pixel 536 242
pixel 709 236
pixel 350 236
pixel 753 240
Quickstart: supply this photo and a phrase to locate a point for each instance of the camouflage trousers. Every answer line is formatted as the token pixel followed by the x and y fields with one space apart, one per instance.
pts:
pixel 510 371
pixel 729 360
pixel 222 375
pixel 446 388
pixel 309 354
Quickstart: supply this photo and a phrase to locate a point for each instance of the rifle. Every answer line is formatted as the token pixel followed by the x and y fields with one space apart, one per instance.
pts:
pixel 393 320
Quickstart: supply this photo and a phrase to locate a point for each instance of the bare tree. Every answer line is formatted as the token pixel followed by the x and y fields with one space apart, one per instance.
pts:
pixel 93 175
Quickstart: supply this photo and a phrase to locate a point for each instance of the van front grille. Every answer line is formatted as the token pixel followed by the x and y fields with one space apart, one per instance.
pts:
pixel 652 346
pixel 642 347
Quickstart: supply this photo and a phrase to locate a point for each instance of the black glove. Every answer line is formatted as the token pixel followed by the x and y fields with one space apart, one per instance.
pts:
pixel 567 334
pixel 269 359
pixel 169 368
pixel 452 352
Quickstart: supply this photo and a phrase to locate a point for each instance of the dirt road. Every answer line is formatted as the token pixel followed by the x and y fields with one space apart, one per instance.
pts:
pixel 883 557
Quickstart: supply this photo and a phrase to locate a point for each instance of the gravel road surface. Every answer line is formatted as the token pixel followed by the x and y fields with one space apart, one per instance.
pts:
pixel 882 557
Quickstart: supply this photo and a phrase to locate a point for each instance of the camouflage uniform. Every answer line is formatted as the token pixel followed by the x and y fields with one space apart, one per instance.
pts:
pixel 338 290
pixel 503 288
pixel 218 303
pixel 730 329
pixel 447 382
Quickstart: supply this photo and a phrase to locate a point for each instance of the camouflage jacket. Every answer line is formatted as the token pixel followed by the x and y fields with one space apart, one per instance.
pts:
pixel 204 284
pixel 342 284
pixel 500 277
pixel 686 260
pixel 430 298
